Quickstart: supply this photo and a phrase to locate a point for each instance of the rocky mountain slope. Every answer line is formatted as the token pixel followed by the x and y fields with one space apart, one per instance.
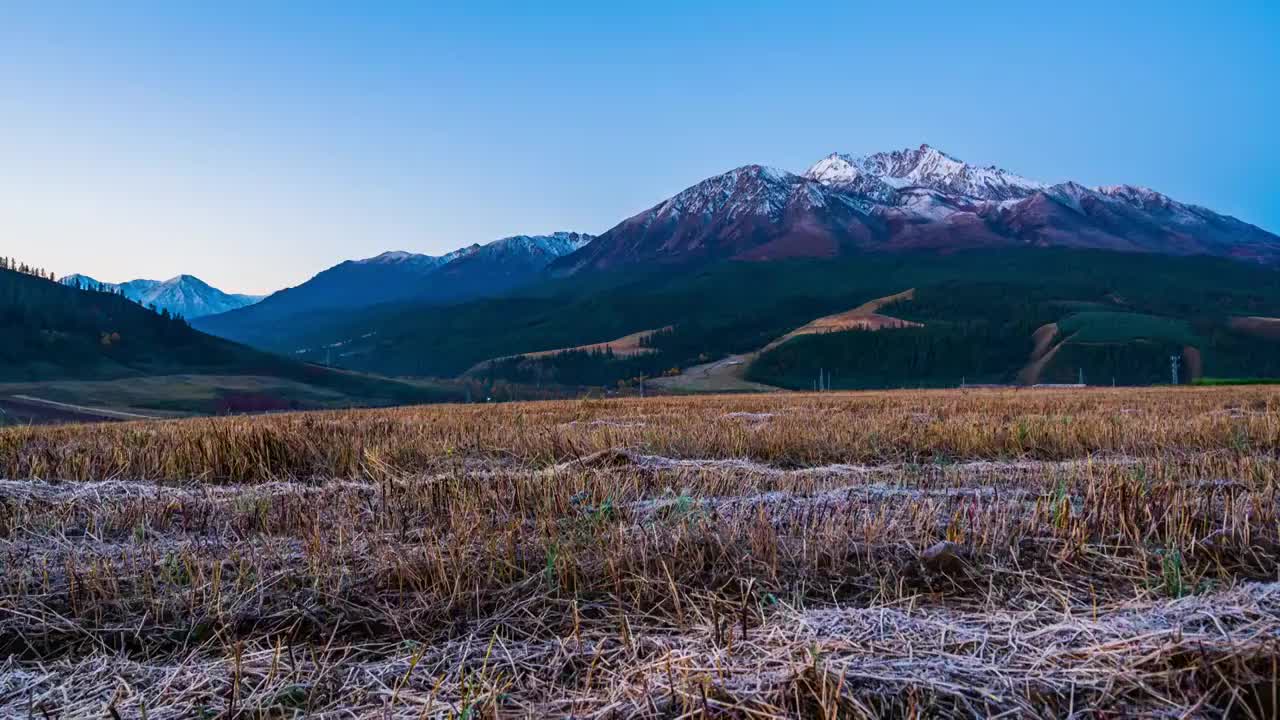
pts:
pixel 913 199
pixel 469 272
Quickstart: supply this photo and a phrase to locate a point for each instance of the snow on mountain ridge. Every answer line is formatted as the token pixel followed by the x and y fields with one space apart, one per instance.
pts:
pixel 709 195
pixel 405 257
pixel 184 295
pixel 555 244
pixel 1147 198
pixel 82 280
pixel 1140 198
pixel 914 199
pixel 750 190
pixel 883 177
pixel 877 176
pixel 847 173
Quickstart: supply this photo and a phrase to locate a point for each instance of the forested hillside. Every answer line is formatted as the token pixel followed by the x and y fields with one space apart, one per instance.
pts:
pixel 979 310
pixel 1104 328
pixel 54 332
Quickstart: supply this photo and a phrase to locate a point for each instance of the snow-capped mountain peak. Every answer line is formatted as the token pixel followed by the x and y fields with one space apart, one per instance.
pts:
pixel 548 247
pixel 1138 195
pixel 750 190
pixel 81 280
pixel 1074 195
pixel 728 215
pixel 918 198
pixel 851 174
pixel 878 175
pixel 390 256
pixel 402 257
pixel 184 295
pixel 185 281
pixel 553 245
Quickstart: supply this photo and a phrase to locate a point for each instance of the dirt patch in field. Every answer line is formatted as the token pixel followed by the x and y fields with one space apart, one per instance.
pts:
pixel 1195 364
pixel 625 346
pixel 864 317
pixel 724 375
pixel 1041 354
pixel 729 374
pixel 1263 327
pixel 26 410
pixel 1043 337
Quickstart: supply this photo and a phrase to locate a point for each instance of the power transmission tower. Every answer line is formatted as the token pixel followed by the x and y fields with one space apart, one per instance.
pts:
pixel 1174 361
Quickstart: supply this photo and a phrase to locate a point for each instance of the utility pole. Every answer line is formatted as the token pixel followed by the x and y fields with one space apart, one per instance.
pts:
pixel 1174 360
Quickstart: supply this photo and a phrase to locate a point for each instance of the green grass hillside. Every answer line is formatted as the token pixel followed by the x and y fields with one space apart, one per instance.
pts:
pixel 1124 327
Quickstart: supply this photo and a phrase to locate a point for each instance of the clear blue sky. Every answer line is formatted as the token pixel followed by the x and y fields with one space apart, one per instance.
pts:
pixel 256 143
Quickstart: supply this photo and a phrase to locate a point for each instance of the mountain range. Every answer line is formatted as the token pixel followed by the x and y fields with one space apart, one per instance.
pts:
pixel 738 260
pixel 916 269
pixel 398 276
pixel 905 210
pixel 913 199
pixel 185 296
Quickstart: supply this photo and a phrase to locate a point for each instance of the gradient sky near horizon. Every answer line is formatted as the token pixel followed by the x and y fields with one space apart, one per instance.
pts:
pixel 255 143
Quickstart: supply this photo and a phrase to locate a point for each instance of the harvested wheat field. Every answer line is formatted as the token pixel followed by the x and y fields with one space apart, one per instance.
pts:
pixel 1048 553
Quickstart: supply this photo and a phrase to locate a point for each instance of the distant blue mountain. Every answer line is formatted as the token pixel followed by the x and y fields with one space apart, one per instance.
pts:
pixel 185 295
